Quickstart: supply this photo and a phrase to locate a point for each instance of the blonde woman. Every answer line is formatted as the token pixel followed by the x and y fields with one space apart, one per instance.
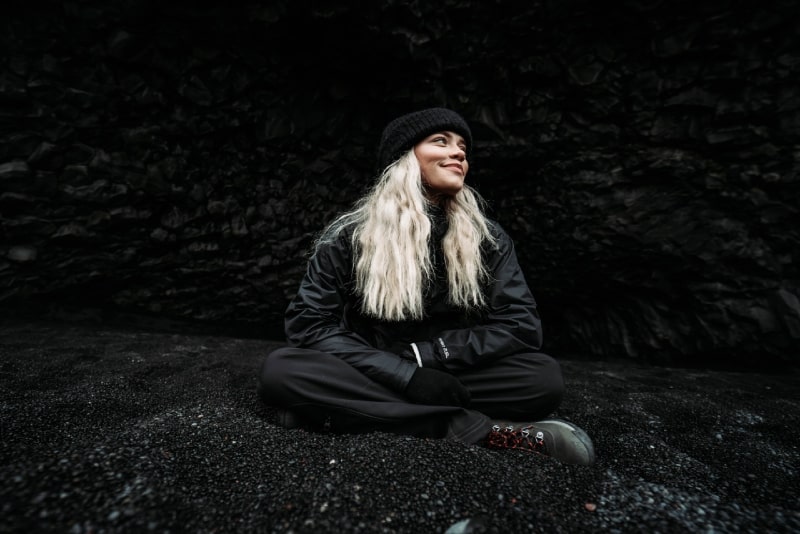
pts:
pixel 414 316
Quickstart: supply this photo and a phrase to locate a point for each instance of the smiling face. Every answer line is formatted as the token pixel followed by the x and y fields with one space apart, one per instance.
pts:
pixel 443 161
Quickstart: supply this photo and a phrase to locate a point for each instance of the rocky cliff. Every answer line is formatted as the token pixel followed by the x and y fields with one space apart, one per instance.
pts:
pixel 174 160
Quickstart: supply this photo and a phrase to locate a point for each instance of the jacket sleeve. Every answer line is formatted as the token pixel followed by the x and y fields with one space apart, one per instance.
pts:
pixel 510 325
pixel 315 319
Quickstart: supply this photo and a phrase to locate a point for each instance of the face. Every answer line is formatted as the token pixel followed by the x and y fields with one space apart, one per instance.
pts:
pixel 443 160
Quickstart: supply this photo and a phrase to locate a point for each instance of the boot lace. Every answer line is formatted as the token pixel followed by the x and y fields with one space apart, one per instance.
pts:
pixel 521 439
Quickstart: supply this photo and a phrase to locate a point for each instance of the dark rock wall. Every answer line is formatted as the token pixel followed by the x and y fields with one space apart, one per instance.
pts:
pixel 174 160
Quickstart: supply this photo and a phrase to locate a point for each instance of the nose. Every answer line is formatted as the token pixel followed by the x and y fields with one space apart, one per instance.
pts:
pixel 459 153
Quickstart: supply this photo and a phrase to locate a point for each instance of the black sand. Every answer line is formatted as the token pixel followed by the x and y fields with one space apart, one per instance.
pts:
pixel 111 430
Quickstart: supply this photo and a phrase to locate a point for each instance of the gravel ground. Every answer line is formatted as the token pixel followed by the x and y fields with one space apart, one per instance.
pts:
pixel 115 430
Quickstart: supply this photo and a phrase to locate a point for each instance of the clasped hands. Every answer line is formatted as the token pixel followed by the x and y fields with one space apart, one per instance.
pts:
pixel 431 386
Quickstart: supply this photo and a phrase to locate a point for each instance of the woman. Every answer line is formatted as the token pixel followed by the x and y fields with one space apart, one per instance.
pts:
pixel 414 316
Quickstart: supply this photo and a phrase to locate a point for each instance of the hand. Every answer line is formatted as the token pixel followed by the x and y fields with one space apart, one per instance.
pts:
pixel 429 386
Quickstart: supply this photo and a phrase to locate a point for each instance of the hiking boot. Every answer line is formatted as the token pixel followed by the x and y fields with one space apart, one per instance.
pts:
pixel 292 420
pixel 289 419
pixel 552 437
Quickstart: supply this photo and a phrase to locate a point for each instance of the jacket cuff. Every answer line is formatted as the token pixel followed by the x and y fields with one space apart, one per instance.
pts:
pixel 405 370
pixel 416 353
pixel 428 355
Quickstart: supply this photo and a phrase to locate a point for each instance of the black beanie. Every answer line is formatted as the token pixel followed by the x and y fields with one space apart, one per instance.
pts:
pixel 404 132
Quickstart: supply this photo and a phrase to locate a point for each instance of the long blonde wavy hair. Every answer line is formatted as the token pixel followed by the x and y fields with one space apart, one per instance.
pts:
pixel 391 231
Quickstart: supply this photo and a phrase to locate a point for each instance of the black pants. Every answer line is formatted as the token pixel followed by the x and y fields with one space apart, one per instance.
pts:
pixel 316 385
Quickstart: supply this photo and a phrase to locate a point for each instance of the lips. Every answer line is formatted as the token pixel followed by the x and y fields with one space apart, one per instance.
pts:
pixel 455 167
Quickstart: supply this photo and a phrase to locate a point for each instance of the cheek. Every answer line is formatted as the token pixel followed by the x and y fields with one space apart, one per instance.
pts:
pixel 426 173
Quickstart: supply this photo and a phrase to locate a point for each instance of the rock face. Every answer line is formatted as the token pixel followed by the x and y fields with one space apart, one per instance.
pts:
pixel 175 160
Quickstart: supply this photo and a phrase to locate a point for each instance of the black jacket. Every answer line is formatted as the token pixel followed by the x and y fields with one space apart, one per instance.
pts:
pixel 325 315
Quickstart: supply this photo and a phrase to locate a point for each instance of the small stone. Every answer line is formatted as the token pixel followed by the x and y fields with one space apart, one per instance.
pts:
pixel 590 506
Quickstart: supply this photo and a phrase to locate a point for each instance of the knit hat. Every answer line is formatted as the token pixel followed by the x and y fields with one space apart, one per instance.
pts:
pixel 406 131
